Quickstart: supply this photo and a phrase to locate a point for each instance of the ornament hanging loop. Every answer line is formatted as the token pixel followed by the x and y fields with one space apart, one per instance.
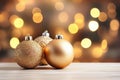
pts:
pixel 45 33
pixel 28 37
pixel 58 36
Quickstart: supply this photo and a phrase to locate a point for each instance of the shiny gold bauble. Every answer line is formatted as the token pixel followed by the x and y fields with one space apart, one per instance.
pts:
pixel 59 53
pixel 43 41
pixel 28 53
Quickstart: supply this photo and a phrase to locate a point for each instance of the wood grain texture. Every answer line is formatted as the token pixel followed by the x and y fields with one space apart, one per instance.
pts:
pixel 75 71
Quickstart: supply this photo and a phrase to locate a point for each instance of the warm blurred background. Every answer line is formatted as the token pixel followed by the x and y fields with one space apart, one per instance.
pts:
pixel 92 26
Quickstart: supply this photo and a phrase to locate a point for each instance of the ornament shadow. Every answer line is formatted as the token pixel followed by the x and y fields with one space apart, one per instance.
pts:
pixel 44 68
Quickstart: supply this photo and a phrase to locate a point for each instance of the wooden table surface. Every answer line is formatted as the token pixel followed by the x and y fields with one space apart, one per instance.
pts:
pixel 75 71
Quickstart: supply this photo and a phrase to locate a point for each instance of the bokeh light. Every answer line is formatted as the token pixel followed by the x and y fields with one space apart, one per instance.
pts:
pixel 18 22
pixel 93 26
pixel 59 6
pixel 27 2
pixel 73 28
pixel 111 10
pixel 86 43
pixel 79 16
pixel 37 17
pixel 104 44
pixel 14 41
pixel 63 17
pixel 20 7
pixel 95 12
pixel 79 20
pixel 36 10
pixel 12 18
pixel 97 52
pixel 3 16
pixel 111 6
pixel 114 25
pixel 103 17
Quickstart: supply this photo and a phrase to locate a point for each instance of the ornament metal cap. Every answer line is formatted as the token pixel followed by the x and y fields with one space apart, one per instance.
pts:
pixel 58 36
pixel 45 33
pixel 28 37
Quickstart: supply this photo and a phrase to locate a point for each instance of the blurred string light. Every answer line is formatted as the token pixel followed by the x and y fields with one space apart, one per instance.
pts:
pixel 14 41
pixel 79 16
pixel 111 7
pixel 59 6
pixel 37 17
pixel 12 18
pixel 111 10
pixel 95 12
pixel 93 26
pixel 97 52
pixel 86 43
pixel 35 10
pixel 3 17
pixel 16 21
pixel 27 2
pixel 20 7
pixel 102 17
pixel 79 20
pixel 73 28
pixel 104 44
pixel 114 25
pixel 63 17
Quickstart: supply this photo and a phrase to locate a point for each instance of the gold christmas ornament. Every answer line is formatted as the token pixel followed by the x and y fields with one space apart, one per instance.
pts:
pixel 43 41
pixel 59 52
pixel 28 53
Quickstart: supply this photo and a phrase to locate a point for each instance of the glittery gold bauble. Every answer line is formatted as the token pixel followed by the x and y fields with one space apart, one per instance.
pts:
pixel 43 41
pixel 28 53
pixel 59 53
